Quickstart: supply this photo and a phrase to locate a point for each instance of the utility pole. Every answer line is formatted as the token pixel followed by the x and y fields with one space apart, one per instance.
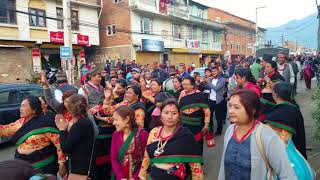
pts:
pixel 257 29
pixel 282 40
pixel 68 38
pixel 318 8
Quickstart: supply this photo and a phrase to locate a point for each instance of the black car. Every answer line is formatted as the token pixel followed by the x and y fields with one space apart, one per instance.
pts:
pixel 11 96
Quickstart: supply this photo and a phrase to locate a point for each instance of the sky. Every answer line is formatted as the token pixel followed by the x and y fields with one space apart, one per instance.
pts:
pixel 276 13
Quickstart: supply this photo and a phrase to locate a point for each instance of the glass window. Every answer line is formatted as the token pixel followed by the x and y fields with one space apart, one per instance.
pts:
pixel 9 98
pixel 60 16
pixel 37 17
pixel 146 25
pixel 176 29
pixel 194 31
pixel 74 20
pixel 205 35
pixel 8 12
pixel 31 92
pixel 111 30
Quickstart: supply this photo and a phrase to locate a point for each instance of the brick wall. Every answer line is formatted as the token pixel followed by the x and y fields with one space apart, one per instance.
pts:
pixel 244 35
pixel 15 65
pixel 118 15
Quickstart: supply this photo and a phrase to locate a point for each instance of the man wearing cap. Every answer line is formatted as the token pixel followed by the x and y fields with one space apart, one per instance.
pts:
pixel 285 69
pixel 63 86
pixel 135 76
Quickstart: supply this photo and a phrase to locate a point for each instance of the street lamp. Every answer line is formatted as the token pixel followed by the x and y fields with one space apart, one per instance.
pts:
pixel 257 8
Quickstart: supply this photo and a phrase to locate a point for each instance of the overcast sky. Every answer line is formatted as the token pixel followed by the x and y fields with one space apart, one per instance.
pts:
pixel 276 13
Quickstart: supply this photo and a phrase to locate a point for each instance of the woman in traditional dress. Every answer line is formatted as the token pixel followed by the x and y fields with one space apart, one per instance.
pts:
pixel 155 89
pixel 195 111
pixel 177 86
pixel 128 145
pixel 78 139
pixel 172 152
pixel 286 117
pixel 273 76
pixel 133 95
pixel 242 153
pixel 36 137
pixel 245 79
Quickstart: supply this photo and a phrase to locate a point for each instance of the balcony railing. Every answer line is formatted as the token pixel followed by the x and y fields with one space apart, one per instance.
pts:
pixel 205 22
pixel 153 6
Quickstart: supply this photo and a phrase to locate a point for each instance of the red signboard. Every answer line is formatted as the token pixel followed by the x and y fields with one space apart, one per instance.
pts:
pixel 163 6
pixel 83 39
pixel 35 52
pixel 56 37
pixel 82 54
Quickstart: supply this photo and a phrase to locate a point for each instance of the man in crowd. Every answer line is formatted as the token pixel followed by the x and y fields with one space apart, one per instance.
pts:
pixel 255 68
pixel 285 69
pixel 158 73
pixel 62 86
pixel 183 71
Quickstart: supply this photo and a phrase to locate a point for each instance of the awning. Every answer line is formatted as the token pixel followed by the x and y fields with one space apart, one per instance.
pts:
pixel 186 50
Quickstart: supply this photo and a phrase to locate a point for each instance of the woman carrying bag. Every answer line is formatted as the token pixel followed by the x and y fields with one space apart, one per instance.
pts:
pixel 77 140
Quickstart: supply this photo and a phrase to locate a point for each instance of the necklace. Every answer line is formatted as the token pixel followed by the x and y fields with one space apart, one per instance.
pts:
pixel 160 148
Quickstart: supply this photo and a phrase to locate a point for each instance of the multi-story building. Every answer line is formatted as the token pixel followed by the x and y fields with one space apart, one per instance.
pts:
pixel 31 33
pixel 158 30
pixel 261 38
pixel 239 37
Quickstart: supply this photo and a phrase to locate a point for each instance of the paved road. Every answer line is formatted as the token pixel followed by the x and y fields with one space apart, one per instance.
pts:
pixel 213 155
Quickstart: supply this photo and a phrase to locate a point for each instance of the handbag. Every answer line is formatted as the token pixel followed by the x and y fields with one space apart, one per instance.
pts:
pixel 270 174
pixel 300 165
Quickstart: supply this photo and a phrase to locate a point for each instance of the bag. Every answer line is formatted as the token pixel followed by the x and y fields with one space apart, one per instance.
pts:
pixel 300 165
pixel 271 174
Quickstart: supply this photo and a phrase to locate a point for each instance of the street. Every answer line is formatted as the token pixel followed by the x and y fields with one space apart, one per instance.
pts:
pixel 213 155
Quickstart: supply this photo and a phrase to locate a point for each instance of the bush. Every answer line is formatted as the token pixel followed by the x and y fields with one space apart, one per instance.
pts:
pixel 316 112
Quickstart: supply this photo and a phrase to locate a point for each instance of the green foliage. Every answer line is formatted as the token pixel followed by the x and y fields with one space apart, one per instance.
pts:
pixel 316 112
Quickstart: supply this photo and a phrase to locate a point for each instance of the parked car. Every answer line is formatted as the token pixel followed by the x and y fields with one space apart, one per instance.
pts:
pixel 11 96
pixel 200 70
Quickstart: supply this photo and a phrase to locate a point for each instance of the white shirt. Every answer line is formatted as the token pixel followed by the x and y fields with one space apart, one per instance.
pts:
pixel 213 93
pixel 58 95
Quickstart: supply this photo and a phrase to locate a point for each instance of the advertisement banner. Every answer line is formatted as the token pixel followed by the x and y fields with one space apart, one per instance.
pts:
pixel 83 39
pixel 152 45
pixel 192 43
pixel 163 6
pixel 36 60
pixel 56 37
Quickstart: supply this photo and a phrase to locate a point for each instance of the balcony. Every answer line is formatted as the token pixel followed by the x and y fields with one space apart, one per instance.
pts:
pixel 152 6
pixel 206 22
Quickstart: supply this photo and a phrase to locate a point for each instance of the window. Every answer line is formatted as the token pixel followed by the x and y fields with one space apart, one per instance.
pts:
pixel 117 1
pixel 7 12
pixel 111 30
pixel 74 20
pixel 200 13
pixel 194 33
pixel 37 18
pixel 205 35
pixel 146 25
pixel 60 16
pixel 190 33
pixel 31 92
pixel 176 31
pixel 9 98
pixel 215 37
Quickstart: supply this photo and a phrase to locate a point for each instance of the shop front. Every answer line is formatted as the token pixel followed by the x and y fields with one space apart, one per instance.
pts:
pixel 151 50
pixel 186 56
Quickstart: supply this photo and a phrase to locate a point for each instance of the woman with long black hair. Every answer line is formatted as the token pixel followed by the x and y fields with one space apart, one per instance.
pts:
pixel 245 79
pixel 286 117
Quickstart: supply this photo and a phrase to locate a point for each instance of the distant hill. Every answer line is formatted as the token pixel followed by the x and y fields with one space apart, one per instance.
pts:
pixel 304 31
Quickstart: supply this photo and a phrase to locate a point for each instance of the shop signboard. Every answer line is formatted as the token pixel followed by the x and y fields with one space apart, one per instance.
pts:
pixel 192 43
pixel 36 61
pixel 56 37
pixel 65 52
pixel 152 45
pixel 83 39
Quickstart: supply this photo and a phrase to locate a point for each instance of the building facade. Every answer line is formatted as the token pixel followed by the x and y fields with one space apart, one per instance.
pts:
pixel 31 33
pixel 261 38
pixel 239 36
pixel 158 30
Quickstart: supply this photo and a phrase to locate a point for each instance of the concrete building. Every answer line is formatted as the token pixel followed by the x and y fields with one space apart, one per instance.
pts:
pixel 261 38
pixel 239 37
pixel 158 30
pixel 31 34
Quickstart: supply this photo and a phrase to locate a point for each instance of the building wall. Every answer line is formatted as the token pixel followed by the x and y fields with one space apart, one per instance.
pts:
pixel 24 32
pixel 13 65
pixel 241 39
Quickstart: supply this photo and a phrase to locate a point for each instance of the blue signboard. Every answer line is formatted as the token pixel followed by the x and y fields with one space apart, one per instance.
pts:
pixel 65 52
pixel 152 45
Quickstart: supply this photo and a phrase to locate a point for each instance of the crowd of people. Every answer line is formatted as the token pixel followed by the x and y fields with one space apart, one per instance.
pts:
pixel 129 122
